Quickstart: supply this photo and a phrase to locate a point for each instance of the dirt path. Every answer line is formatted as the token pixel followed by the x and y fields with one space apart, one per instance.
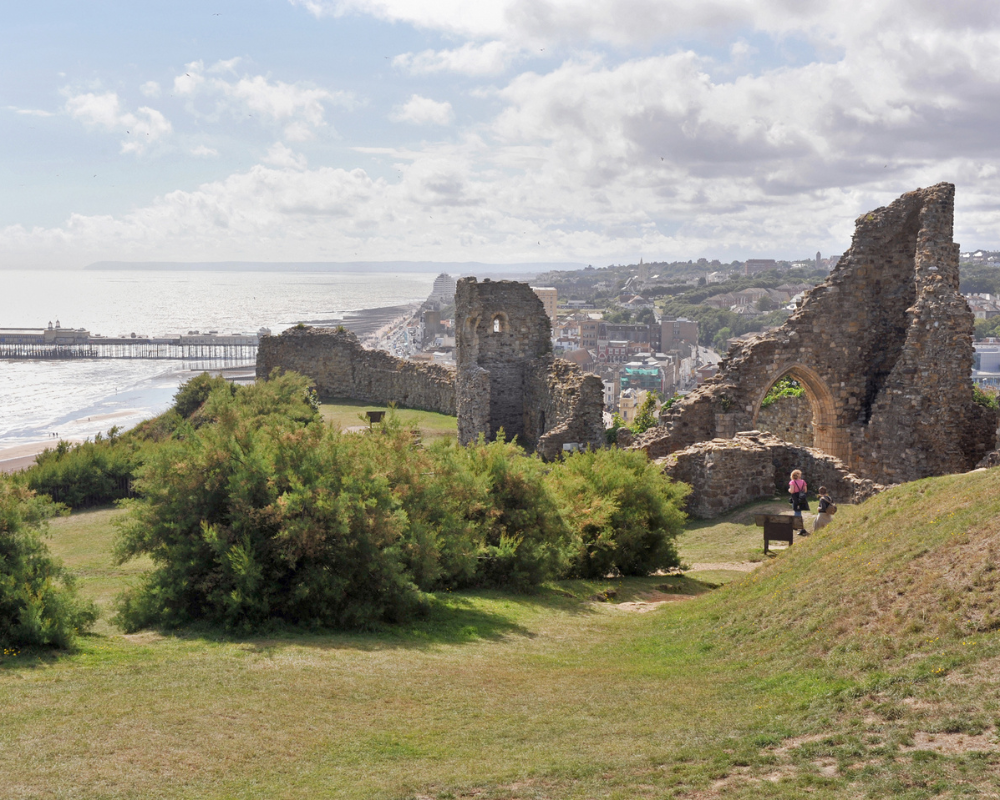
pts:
pixel 734 566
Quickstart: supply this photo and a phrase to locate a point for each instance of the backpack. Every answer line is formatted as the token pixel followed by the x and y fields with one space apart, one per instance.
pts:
pixel 831 509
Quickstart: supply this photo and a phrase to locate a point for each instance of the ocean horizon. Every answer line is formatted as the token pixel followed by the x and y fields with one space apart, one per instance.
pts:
pixel 79 398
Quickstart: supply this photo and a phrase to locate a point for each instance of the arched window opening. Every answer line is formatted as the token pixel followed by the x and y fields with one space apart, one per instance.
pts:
pixel 799 408
pixel 500 323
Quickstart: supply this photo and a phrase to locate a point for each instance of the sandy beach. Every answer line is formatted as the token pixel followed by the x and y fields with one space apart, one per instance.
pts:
pixel 14 459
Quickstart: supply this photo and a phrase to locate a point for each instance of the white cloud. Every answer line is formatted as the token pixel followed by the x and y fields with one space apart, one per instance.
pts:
pixel 204 151
pixel 282 156
pixel 142 129
pixel 150 89
pixel 423 111
pixel 490 58
pixel 228 65
pixel 629 22
pixel 30 112
pixel 191 80
pixel 300 106
pixel 456 16
pixel 608 155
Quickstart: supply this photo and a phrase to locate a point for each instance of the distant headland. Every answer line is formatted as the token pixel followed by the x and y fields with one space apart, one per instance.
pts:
pixel 455 267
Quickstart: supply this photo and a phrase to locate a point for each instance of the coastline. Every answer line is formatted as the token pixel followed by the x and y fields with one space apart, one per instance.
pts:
pixel 153 396
pixel 82 424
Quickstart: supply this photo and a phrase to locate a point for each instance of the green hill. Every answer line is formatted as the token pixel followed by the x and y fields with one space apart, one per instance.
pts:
pixel 859 663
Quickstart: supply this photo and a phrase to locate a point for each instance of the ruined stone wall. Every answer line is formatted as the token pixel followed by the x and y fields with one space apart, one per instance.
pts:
pixel 883 349
pixel 507 377
pixel 342 369
pixel 789 419
pixel 723 474
pixel 575 409
pixel 727 473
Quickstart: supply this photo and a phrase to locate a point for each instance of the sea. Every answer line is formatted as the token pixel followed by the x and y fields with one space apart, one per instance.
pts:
pixel 76 399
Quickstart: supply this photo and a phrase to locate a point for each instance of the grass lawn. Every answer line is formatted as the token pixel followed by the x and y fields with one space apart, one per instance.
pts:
pixel 350 414
pixel 859 663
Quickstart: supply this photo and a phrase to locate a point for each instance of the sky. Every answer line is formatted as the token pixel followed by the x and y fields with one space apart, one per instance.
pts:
pixel 590 131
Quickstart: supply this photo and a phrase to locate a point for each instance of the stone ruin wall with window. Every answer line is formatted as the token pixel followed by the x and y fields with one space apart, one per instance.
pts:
pixel 341 369
pixel 789 418
pixel 883 349
pixel 507 377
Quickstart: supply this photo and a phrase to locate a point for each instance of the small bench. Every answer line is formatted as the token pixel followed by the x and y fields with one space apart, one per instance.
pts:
pixel 777 528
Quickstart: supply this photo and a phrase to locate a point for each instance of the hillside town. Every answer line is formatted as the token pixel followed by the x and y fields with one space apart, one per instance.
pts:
pixel 663 327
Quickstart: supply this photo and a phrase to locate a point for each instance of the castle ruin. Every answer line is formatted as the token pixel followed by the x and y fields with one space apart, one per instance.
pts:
pixel 508 379
pixel 883 349
pixel 341 368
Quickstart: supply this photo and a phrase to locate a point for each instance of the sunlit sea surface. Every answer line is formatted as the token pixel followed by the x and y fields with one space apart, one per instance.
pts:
pixel 77 399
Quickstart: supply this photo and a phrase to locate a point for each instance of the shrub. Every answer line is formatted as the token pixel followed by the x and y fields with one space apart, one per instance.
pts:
pixel 511 516
pixel 624 513
pixel 262 514
pixel 87 474
pixel 266 515
pixel 986 398
pixel 38 604
pixel 645 416
pixel 192 395
pixel 784 387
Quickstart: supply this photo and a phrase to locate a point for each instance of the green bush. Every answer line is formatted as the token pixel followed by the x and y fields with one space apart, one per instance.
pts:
pixel 192 395
pixel 86 474
pixel 784 387
pixel 510 516
pixel 624 513
pixel 263 514
pixel 38 604
pixel 987 398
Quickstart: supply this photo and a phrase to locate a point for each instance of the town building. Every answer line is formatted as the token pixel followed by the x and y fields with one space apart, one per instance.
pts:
pixel 549 298
pixel 673 332
pixel 756 265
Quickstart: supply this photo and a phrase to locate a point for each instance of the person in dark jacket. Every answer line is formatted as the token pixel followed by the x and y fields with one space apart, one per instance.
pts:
pixel 824 516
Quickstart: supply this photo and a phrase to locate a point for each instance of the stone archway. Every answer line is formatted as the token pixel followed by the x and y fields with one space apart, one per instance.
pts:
pixel 826 435
pixel 888 341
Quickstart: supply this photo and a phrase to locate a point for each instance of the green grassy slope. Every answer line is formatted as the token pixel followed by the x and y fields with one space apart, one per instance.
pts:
pixel 347 414
pixel 859 663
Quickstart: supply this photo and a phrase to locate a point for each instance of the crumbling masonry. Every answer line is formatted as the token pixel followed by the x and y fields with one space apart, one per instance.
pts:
pixel 883 349
pixel 341 368
pixel 508 378
pixel 727 473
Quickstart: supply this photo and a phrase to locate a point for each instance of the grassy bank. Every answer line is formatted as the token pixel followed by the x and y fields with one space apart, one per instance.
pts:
pixel 858 663
pixel 347 414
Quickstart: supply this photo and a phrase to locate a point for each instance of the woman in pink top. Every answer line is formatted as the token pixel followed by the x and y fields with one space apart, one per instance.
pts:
pixel 797 488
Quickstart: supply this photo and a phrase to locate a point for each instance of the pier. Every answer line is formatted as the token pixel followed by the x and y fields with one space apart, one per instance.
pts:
pixel 70 343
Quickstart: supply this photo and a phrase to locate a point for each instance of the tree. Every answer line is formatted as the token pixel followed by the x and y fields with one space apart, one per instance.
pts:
pixel 645 316
pixel 618 316
pixel 38 602
pixel 720 339
pixel 645 417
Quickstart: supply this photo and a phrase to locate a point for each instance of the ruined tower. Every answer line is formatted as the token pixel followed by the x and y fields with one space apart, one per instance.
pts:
pixel 508 379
